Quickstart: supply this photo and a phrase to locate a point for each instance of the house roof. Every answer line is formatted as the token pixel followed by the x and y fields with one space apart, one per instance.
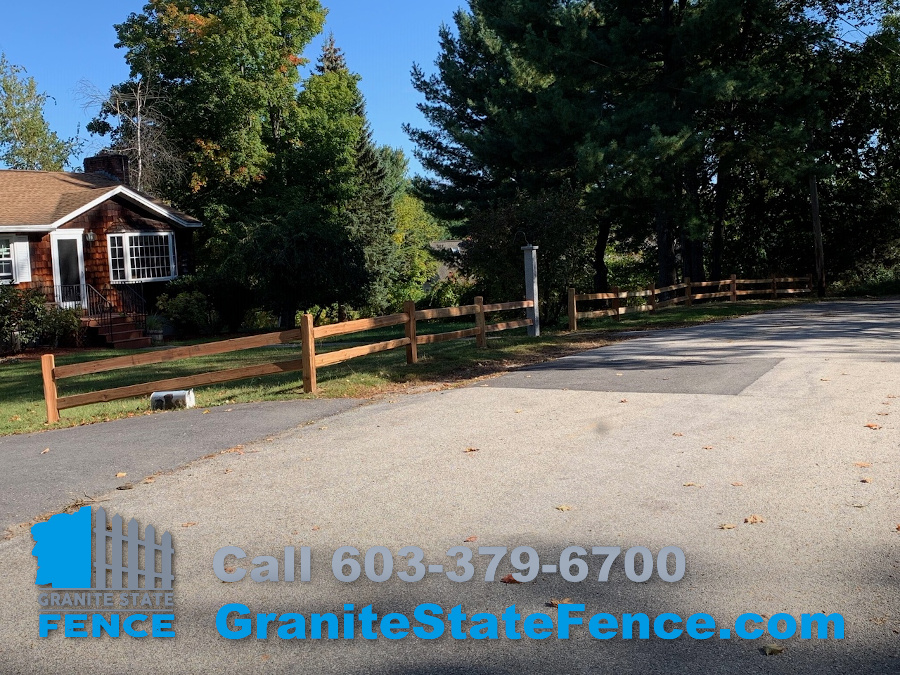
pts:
pixel 46 200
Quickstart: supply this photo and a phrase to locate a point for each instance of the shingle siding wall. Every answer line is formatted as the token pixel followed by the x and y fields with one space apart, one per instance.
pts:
pixel 110 217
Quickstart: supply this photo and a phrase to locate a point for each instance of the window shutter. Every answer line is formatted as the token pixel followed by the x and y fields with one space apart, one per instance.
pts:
pixel 21 256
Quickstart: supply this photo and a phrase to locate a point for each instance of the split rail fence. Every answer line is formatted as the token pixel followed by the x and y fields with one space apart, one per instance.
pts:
pixel 685 293
pixel 309 362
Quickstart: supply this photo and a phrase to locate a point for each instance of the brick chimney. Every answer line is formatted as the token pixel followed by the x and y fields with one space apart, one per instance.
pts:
pixel 110 165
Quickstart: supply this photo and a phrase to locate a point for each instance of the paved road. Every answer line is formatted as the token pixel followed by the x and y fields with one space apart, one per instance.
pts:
pixel 656 441
pixel 83 461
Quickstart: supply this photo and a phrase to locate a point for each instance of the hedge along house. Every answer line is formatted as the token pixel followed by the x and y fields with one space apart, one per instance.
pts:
pixel 91 243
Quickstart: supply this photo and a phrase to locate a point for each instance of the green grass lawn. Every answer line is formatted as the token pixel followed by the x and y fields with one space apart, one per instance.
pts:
pixel 21 392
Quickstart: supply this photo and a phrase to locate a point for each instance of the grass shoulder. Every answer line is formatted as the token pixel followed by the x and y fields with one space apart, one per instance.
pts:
pixel 444 365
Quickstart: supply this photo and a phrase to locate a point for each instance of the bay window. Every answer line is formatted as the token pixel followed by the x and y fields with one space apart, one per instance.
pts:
pixel 142 256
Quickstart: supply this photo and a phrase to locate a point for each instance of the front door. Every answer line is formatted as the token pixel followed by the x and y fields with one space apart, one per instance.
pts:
pixel 68 269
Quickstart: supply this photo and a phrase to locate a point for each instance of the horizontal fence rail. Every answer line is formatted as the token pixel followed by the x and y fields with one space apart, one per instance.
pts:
pixel 309 362
pixel 685 293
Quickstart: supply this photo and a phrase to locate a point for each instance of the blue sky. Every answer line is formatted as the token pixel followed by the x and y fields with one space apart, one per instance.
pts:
pixel 61 42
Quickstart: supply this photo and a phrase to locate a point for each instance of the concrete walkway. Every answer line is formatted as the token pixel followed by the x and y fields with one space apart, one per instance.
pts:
pixel 653 442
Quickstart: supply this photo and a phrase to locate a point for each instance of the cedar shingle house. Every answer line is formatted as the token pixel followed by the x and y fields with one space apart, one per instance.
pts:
pixel 91 242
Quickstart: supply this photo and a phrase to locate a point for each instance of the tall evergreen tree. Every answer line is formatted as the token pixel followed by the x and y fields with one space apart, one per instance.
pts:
pixel 332 58
pixel 667 116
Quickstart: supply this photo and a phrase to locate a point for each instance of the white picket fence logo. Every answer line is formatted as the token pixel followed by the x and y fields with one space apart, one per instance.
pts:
pixel 127 548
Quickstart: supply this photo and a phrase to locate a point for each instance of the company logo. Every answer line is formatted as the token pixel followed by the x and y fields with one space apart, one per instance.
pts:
pixel 106 568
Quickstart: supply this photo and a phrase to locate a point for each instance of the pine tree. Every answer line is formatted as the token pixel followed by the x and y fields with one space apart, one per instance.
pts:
pixel 371 222
pixel 331 59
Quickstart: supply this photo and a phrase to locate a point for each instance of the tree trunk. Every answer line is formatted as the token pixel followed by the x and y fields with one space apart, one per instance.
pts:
pixel 692 258
pixel 817 235
pixel 665 249
pixel 288 318
pixel 601 271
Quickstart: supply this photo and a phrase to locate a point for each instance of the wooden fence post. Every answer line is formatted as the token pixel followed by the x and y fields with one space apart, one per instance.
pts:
pixel 774 288
pixel 687 292
pixel 308 354
pixel 412 349
pixel 734 287
pixel 616 303
pixel 481 338
pixel 573 310
pixel 653 298
pixel 48 363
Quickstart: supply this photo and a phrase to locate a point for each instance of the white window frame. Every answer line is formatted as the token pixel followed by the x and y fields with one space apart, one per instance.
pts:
pixel 126 247
pixel 11 279
pixel 20 252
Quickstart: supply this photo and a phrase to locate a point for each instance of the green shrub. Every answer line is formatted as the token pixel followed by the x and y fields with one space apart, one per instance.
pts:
pixel 450 292
pixel 62 327
pixel 26 319
pixel 190 311
pixel 259 319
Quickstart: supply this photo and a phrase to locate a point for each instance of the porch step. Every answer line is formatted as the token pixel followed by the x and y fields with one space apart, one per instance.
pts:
pixel 119 331
pixel 126 334
pixel 132 343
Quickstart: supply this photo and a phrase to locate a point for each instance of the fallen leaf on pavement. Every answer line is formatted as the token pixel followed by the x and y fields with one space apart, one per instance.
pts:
pixel 898 527
pixel 883 414
pixel 45 451
pixel 229 570
pixel 518 411
pixel 624 400
pixel 229 470
pixel 149 479
pixel 470 450
pixel 315 528
pixel 754 519
pixel 692 485
pixel 678 434
pixel 727 526
pixel 564 507
pixel 862 465
pixel 121 474
pixel 738 484
pixel 469 540
pixel 708 447
pixel 772 650
pixel 206 412
pixel 873 426
pixel 866 480
pixel 239 449
pixel 824 379
pixel 127 486
pixel 510 579
pixel 188 524
pixel 556 603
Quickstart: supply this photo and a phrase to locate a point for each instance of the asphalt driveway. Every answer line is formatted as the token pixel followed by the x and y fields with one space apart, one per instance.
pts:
pixel 83 462
pixel 788 420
